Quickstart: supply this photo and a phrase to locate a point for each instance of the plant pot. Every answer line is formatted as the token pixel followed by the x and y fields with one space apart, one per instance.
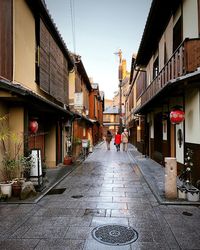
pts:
pixel 16 189
pixel 3 197
pixel 67 160
pixel 6 188
pixel 182 193
pixel 90 149
pixel 193 194
pixel 44 172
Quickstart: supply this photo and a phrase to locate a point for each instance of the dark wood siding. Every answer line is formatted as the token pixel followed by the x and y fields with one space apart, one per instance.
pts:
pixel 141 84
pixel 53 71
pixel 6 34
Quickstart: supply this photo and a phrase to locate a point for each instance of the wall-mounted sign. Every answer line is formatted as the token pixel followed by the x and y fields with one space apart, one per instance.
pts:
pixel 78 100
pixel 36 168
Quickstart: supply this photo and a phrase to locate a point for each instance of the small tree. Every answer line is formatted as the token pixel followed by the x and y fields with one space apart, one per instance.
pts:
pixel 186 173
pixel 14 163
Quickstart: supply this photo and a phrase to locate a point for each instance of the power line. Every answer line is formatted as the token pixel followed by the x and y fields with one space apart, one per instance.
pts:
pixel 72 11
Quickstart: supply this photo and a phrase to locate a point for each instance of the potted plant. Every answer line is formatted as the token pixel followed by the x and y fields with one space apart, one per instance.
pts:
pixel 67 160
pixel 44 168
pixel 188 190
pixel 6 169
pixel 14 163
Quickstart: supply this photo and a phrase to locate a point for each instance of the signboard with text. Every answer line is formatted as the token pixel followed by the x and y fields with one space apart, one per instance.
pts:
pixel 78 100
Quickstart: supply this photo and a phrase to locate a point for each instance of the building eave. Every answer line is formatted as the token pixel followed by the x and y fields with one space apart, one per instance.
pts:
pixel 31 97
pixel 190 80
pixel 158 17
pixel 82 72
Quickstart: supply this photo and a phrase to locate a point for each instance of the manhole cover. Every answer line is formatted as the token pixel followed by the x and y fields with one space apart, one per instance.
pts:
pixel 56 191
pixel 115 235
pixel 77 196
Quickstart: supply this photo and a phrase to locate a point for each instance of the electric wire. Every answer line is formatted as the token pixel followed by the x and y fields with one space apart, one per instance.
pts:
pixel 72 12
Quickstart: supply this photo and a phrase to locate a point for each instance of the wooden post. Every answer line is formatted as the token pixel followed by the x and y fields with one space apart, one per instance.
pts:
pixel 170 178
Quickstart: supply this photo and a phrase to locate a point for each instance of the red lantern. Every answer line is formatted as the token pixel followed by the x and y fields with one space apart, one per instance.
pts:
pixel 177 116
pixel 33 126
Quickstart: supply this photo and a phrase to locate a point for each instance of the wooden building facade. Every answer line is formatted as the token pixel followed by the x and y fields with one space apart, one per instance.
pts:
pixel 165 76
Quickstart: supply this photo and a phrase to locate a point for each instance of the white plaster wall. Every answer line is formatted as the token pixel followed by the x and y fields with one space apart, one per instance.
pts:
pixel 192 117
pixel 190 19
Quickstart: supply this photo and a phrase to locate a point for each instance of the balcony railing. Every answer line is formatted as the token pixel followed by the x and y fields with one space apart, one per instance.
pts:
pixel 184 60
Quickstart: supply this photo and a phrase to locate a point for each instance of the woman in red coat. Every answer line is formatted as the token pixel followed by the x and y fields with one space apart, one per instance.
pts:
pixel 118 140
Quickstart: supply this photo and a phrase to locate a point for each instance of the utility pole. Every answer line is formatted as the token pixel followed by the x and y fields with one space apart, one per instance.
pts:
pixel 120 77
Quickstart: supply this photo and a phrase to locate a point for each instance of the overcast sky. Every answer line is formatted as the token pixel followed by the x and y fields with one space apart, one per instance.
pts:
pixel 96 29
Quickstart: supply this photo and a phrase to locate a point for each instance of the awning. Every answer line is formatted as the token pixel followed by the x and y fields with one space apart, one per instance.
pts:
pixel 31 98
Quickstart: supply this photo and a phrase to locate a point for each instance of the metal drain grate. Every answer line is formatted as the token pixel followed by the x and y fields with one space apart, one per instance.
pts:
pixel 77 196
pixel 187 213
pixel 115 235
pixel 56 191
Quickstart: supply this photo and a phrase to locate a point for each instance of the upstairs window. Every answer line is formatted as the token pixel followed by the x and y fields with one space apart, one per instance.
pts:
pixel 177 34
pixel 155 68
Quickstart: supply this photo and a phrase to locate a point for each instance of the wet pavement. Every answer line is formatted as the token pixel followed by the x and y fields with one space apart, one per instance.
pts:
pixel 108 188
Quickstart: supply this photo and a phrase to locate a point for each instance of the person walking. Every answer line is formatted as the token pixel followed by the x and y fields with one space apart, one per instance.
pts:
pixel 108 139
pixel 125 140
pixel 118 140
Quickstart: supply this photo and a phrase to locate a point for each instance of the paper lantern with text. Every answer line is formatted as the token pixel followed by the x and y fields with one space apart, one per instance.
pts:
pixel 33 126
pixel 177 116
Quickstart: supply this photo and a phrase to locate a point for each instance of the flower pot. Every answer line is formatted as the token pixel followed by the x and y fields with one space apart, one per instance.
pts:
pixel 67 160
pixel 3 197
pixel 193 194
pixel 16 189
pixel 182 193
pixel 6 188
pixel 90 149
pixel 44 172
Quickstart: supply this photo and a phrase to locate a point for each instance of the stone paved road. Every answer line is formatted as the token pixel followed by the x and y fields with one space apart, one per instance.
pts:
pixel 106 189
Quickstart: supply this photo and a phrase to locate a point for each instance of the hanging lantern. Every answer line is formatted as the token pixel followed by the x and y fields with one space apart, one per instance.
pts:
pixel 33 126
pixel 177 116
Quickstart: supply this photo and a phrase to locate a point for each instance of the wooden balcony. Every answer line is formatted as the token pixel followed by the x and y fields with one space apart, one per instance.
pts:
pixel 185 59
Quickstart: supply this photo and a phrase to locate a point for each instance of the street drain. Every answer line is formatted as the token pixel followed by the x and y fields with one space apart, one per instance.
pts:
pixel 187 213
pixel 77 196
pixel 114 235
pixel 56 191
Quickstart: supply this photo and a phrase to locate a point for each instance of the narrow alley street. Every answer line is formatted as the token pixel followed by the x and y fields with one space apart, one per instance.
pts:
pixel 106 189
